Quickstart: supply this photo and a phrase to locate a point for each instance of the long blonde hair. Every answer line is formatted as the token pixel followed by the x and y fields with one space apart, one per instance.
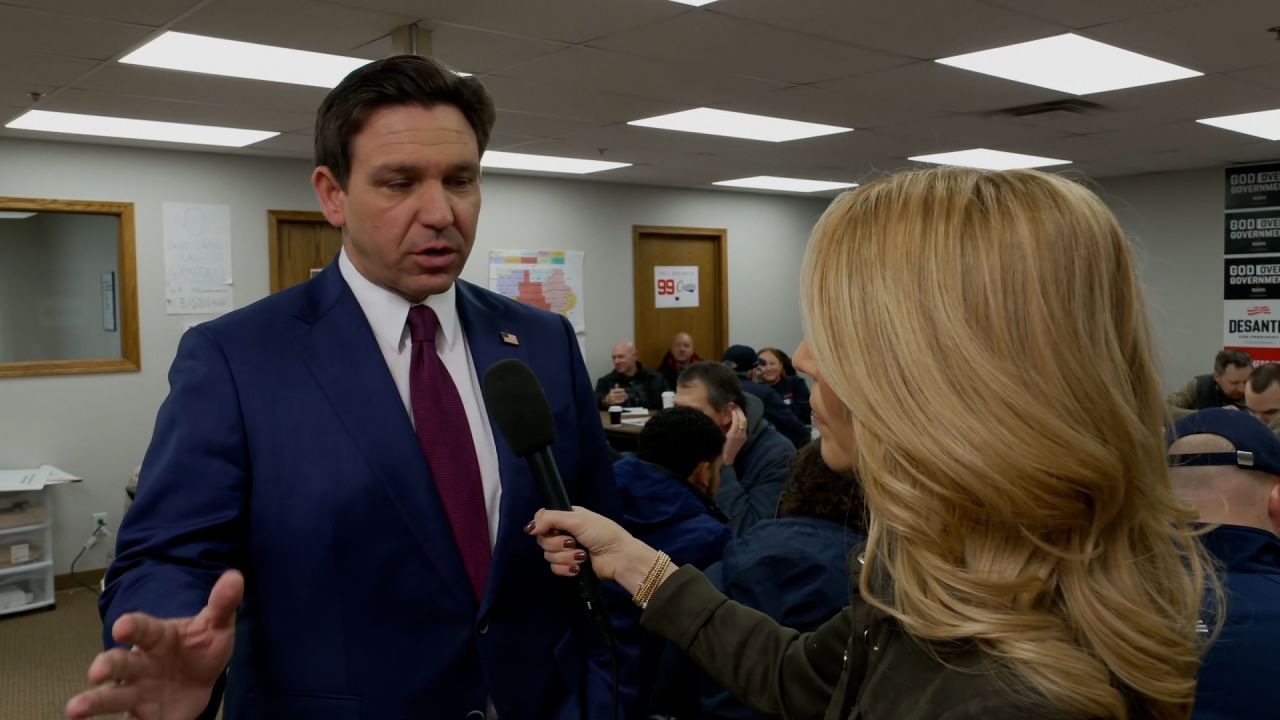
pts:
pixel 988 334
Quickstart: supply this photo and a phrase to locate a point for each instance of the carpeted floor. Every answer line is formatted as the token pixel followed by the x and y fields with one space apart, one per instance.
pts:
pixel 44 655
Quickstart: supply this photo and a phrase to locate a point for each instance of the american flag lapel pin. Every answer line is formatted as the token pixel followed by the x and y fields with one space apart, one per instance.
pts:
pixel 510 339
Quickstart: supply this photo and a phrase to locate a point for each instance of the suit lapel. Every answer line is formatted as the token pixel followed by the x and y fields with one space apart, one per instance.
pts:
pixel 350 369
pixel 489 336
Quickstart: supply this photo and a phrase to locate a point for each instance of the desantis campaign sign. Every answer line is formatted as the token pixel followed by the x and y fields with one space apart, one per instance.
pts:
pixel 1251 266
pixel 1253 326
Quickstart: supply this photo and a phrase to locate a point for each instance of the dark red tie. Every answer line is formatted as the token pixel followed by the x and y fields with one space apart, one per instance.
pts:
pixel 445 436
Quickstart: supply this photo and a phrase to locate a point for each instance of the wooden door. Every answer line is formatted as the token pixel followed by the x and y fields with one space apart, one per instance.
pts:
pixel 708 323
pixel 298 244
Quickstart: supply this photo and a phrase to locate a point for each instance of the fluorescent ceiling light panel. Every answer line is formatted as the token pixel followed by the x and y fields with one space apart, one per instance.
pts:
pixel 11 215
pixel 103 126
pixel 738 125
pixel 695 3
pixel 989 159
pixel 1265 124
pixel 1071 64
pixel 545 163
pixel 232 58
pixel 771 182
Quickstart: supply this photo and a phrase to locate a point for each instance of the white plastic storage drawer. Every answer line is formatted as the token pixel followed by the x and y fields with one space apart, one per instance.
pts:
pixel 22 548
pixel 26 589
pixel 21 509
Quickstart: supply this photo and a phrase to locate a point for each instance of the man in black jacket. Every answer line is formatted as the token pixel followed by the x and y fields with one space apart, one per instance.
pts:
pixel 630 384
pixel 1224 387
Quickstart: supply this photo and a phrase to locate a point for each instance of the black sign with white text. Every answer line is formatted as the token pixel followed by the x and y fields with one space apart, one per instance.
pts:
pixel 1251 279
pixel 1256 231
pixel 1253 186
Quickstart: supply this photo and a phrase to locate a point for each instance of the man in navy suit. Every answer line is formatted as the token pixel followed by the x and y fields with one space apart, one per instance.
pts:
pixel 325 510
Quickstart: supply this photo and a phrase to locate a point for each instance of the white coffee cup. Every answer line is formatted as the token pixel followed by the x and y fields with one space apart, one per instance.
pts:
pixel 668 399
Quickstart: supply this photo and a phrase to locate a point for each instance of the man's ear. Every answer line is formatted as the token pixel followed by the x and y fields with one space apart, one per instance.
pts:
pixel 1273 507
pixel 330 194
pixel 701 477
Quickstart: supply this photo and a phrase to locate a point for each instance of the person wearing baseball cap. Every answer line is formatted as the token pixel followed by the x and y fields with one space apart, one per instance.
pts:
pixel 1226 464
pixel 742 360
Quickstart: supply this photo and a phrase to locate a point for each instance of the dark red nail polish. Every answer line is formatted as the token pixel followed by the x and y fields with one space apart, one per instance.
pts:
pixel 574 569
pixel 579 556
pixel 570 543
pixel 529 528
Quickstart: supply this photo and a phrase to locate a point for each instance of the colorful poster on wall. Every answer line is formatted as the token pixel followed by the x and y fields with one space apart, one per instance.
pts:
pixel 675 286
pixel 548 279
pixel 1252 231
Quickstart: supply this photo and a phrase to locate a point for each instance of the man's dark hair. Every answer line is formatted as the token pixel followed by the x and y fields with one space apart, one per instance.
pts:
pixel 679 439
pixel 722 384
pixel 1264 376
pixel 816 490
pixel 1234 358
pixel 394 81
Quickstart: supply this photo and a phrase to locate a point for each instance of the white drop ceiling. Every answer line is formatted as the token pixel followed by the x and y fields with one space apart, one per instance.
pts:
pixel 568 74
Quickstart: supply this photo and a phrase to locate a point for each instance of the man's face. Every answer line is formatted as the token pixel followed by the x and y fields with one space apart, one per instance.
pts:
pixel 682 348
pixel 409 211
pixel 624 359
pixel 1264 405
pixel 694 395
pixel 1232 381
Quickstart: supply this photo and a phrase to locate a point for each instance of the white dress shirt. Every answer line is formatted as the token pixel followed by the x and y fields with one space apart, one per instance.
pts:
pixel 388 315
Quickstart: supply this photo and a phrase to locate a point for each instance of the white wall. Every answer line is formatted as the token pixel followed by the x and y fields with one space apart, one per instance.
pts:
pixel 69 314
pixel 1175 221
pixel 98 426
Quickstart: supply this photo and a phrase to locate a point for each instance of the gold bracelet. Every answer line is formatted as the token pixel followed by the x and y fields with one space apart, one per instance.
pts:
pixel 649 585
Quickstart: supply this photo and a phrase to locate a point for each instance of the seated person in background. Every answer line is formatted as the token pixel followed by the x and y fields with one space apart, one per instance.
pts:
pixel 667 491
pixel 1224 387
pixel 1262 395
pixel 1209 472
pixel 680 356
pixel 741 359
pixel 755 455
pixel 793 568
pixel 777 372
pixel 630 384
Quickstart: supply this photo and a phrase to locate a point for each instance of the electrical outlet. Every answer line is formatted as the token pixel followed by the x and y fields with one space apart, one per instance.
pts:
pixel 99 520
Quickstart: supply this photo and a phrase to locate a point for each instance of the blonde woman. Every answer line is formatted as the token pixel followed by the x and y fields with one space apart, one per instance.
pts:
pixel 1026 557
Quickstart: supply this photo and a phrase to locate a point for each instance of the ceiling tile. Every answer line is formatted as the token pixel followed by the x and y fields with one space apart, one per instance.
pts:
pixel 592 69
pixel 43 69
pixel 33 32
pixel 1209 37
pixel 539 126
pixel 569 21
pixel 470 50
pixel 831 107
pixel 92 102
pixel 301 145
pixel 568 101
pixel 938 89
pixel 298 24
pixel 152 13
pixel 748 48
pixel 137 81
pixel 920 29
pixel 1085 13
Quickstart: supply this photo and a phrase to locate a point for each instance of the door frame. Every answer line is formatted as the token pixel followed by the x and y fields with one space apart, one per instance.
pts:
pixel 718 236
pixel 274 219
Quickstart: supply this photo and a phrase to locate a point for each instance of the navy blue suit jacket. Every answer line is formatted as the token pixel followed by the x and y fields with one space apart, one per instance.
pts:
pixel 284 450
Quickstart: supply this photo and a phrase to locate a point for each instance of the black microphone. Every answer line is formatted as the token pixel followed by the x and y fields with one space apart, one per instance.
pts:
pixel 520 408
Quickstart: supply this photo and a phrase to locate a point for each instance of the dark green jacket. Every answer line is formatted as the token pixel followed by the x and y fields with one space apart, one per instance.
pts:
pixel 860 664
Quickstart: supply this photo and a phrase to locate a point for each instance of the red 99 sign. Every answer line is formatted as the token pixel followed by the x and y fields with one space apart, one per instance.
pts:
pixel 666 286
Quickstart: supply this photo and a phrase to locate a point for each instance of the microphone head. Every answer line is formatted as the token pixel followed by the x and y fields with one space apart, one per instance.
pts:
pixel 519 406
